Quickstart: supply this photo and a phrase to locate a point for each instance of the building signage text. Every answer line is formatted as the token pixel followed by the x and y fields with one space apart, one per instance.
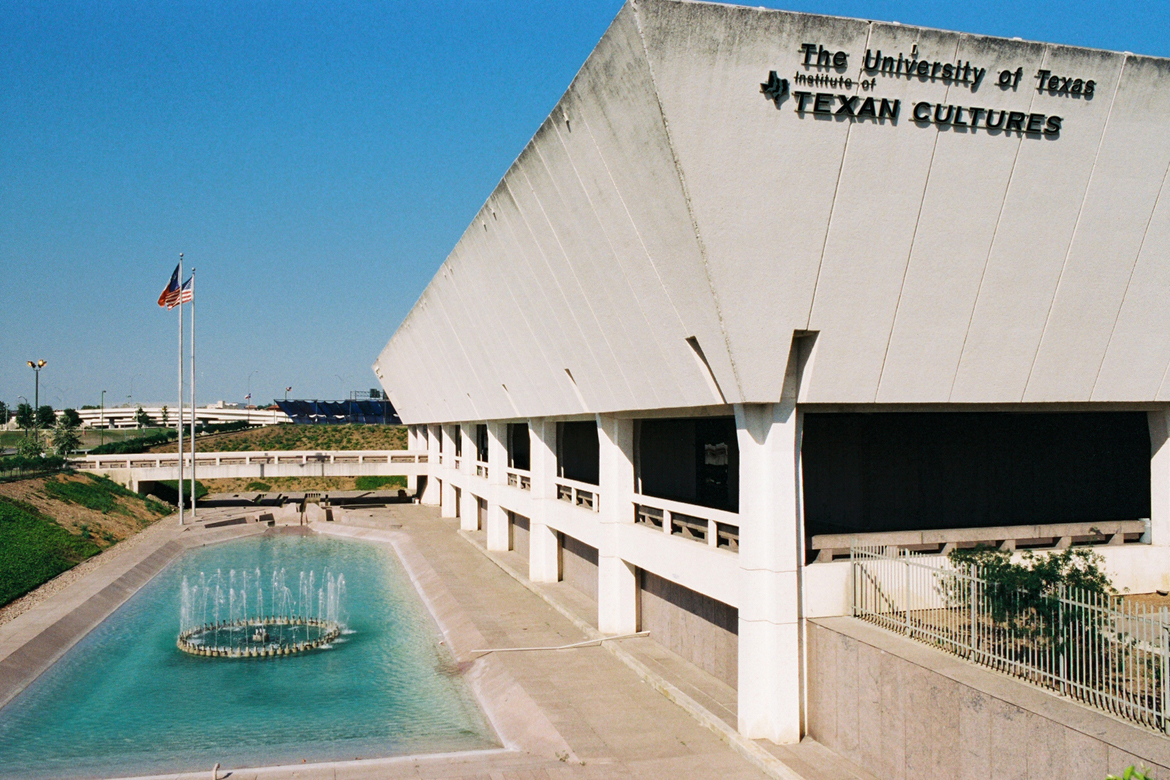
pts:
pixel 827 93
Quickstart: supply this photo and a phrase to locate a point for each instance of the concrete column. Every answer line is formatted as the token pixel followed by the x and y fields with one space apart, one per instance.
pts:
pixel 468 510
pixel 617 585
pixel 431 492
pixel 1159 477
pixel 447 504
pixel 412 445
pixel 544 555
pixel 498 533
pixel 770 542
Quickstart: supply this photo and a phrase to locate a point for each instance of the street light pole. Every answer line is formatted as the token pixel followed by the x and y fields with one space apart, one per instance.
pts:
pixel 36 367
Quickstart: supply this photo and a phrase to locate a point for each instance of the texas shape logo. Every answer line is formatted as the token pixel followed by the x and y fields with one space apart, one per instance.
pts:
pixel 775 88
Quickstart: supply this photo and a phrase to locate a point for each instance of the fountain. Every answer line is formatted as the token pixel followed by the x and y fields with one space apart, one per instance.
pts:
pixel 236 617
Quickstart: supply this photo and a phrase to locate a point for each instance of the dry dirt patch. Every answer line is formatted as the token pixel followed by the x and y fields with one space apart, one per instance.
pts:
pixel 129 514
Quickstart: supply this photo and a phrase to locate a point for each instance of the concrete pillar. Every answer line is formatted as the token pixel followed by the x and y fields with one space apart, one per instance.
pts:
pixel 770 542
pixel 617 585
pixel 1159 477
pixel 498 532
pixel 447 501
pixel 431 492
pixel 544 555
pixel 468 510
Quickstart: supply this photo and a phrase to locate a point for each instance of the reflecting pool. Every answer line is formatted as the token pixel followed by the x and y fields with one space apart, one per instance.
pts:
pixel 126 701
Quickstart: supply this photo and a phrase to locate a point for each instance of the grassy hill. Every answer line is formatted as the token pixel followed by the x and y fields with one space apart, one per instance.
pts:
pixel 51 524
pixel 302 437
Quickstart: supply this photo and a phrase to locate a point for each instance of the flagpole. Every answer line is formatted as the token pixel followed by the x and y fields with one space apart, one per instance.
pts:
pixel 180 388
pixel 194 493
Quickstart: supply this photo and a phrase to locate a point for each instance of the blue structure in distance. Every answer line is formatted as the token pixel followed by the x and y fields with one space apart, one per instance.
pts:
pixel 366 412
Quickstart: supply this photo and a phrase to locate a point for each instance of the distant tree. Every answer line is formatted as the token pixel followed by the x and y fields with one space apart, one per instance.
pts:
pixel 65 439
pixel 24 416
pixel 30 447
pixel 144 420
pixel 166 415
pixel 3 413
pixel 46 417
pixel 71 418
pixel 89 406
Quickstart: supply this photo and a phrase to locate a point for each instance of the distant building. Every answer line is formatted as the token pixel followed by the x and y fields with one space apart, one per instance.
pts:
pixel 125 417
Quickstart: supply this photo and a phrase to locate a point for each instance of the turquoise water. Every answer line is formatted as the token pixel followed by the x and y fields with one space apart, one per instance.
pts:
pixel 126 701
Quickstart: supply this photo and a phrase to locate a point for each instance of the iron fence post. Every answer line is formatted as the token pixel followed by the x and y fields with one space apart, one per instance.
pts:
pixel 974 617
pixel 906 597
pixel 1165 674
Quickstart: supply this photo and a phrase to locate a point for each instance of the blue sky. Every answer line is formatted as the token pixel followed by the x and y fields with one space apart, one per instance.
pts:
pixel 315 161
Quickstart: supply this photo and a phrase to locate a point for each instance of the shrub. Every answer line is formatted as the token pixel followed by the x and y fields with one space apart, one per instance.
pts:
pixel 376 483
pixel 257 486
pixel 135 445
pixel 1026 595
pixel 36 465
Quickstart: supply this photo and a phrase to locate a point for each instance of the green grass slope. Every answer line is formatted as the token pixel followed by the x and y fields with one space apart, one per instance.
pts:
pixel 34 549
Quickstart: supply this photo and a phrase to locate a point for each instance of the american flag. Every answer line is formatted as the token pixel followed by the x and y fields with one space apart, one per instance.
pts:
pixel 184 294
pixel 171 293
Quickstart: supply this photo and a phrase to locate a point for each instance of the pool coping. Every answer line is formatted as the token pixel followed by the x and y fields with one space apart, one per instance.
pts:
pixel 518 722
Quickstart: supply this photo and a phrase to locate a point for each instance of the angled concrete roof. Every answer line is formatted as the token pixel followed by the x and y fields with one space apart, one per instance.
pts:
pixel 666 199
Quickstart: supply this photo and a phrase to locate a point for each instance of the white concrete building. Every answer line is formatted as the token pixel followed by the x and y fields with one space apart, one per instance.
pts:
pixel 763 278
pixel 125 417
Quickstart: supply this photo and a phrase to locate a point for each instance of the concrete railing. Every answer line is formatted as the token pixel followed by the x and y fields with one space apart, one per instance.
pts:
pixel 1007 537
pixel 580 494
pixel 165 460
pixel 712 527
pixel 519 478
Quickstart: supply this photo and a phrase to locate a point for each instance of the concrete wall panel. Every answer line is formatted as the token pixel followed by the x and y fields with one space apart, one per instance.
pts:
pixel 579 566
pixel 1109 235
pixel 940 716
pixel 700 629
pixel 1033 234
pixel 968 181
pixel 760 180
pixel 875 215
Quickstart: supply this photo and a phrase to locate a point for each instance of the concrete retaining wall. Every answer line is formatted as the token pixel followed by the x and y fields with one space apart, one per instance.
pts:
pixel 519 531
pixel 579 565
pixel 697 627
pixel 904 710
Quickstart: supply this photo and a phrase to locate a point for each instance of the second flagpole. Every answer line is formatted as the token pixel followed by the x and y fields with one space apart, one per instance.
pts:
pixel 180 388
pixel 194 493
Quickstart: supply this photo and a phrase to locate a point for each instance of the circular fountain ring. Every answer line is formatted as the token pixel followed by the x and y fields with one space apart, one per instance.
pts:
pixel 258 638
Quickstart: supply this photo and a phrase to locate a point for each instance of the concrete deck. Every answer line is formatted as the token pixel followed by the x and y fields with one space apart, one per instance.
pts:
pixel 581 713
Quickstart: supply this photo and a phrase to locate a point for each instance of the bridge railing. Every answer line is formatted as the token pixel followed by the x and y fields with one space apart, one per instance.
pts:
pixel 291 457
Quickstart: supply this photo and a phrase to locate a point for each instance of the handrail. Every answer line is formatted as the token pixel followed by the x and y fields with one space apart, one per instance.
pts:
pixel 1006 537
pixel 520 478
pixel 248 457
pixel 581 494
pixel 714 527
